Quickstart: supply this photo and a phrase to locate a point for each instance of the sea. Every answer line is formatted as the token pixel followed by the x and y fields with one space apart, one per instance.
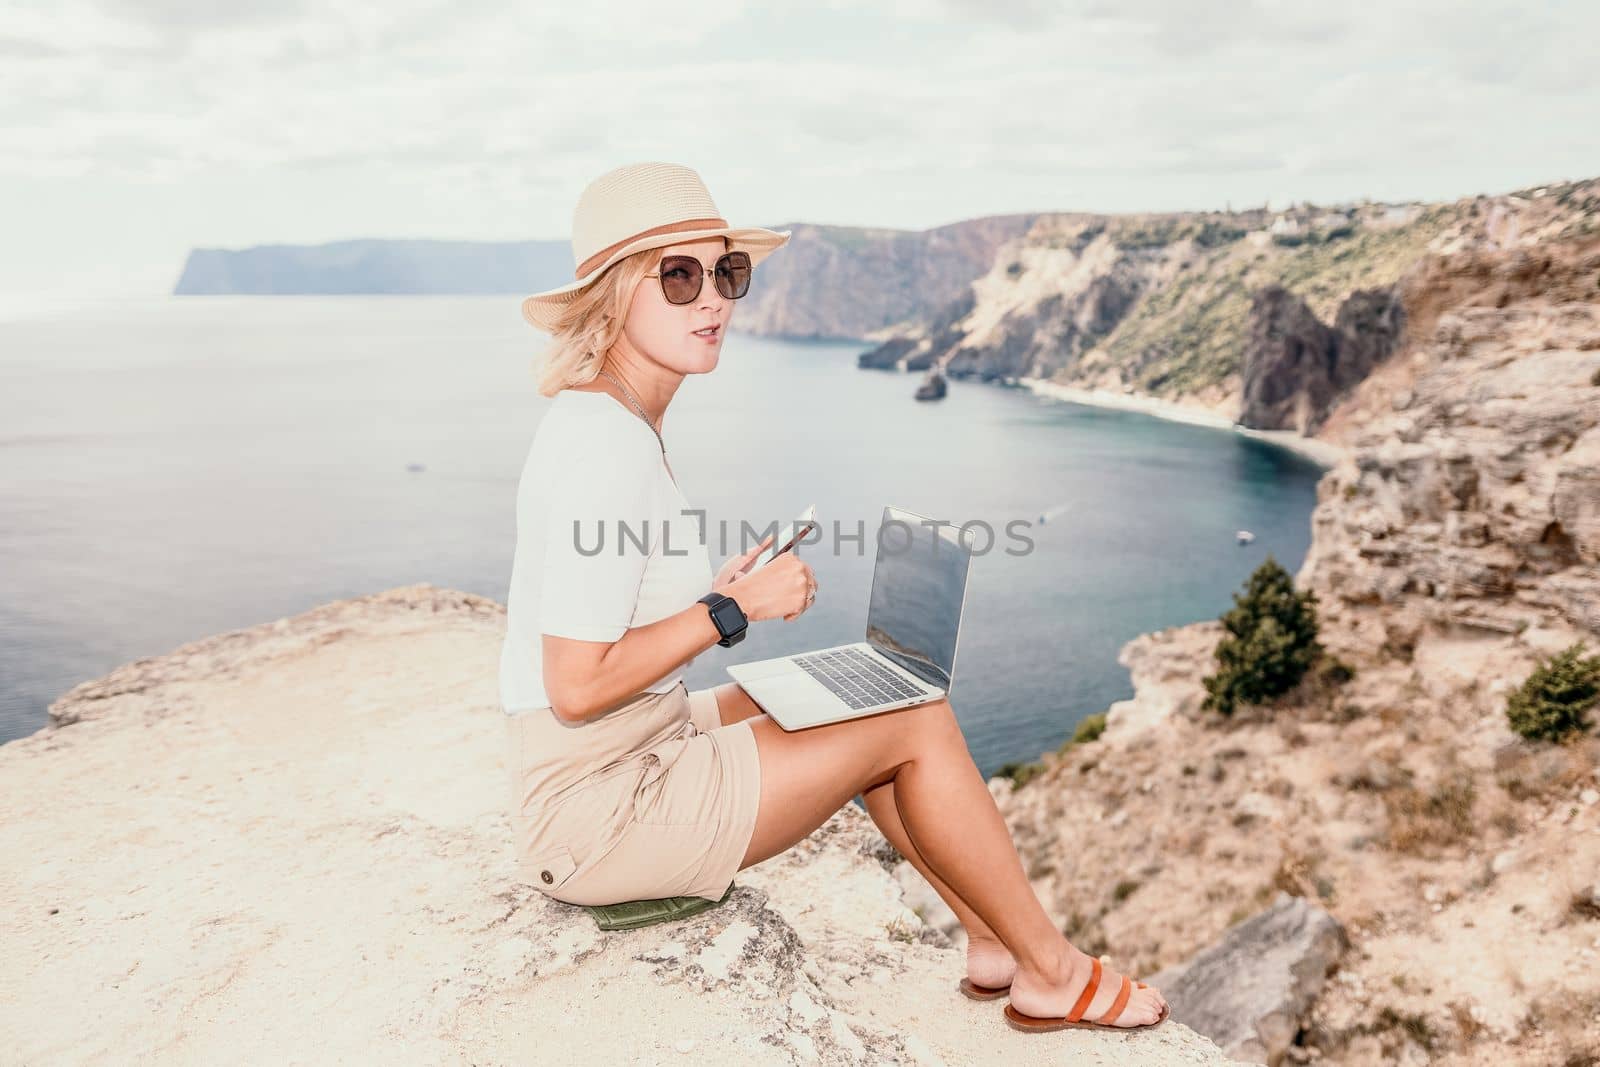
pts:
pixel 174 467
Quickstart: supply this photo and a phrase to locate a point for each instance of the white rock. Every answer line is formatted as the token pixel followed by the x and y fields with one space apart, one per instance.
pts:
pixel 806 1048
pixel 806 1008
pixel 845 1036
pixel 717 957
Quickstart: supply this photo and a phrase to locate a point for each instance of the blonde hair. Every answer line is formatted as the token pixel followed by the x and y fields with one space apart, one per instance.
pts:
pixel 592 321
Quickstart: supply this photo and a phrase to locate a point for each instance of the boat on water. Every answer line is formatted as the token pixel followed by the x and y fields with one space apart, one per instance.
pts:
pixel 932 387
pixel 1244 536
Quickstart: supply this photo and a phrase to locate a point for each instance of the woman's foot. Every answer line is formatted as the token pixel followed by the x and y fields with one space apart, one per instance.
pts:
pixel 989 962
pixel 1051 995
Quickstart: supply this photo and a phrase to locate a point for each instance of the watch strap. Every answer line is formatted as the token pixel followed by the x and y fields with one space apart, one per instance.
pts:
pixel 713 602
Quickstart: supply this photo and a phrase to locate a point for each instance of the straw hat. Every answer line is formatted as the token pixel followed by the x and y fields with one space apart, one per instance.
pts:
pixel 640 206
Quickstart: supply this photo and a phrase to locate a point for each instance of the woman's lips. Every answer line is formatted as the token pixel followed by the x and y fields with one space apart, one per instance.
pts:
pixel 712 337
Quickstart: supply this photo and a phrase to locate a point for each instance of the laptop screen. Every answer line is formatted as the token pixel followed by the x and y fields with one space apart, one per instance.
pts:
pixel 918 584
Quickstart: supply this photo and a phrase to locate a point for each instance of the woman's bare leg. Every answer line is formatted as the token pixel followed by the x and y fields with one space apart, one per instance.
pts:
pixel 952 822
pixel 989 962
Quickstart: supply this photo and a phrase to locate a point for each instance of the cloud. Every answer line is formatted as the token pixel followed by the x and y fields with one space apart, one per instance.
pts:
pixel 405 82
pixel 179 16
pixel 486 118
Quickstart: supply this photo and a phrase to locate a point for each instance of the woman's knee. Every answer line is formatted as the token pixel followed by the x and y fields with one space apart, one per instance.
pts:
pixel 909 733
pixel 936 719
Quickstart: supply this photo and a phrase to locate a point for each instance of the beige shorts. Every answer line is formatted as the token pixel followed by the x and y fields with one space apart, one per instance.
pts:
pixel 672 820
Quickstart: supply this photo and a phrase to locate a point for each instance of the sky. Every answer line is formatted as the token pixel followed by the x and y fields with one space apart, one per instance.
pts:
pixel 135 130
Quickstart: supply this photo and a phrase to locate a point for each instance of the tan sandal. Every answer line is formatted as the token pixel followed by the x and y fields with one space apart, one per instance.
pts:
pixel 974 991
pixel 983 992
pixel 1034 1024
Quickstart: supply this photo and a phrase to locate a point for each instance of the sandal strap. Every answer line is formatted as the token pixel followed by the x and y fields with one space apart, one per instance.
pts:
pixel 1087 995
pixel 1117 1005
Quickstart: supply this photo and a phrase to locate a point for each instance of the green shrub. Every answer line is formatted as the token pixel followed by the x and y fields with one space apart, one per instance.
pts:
pixel 1271 641
pixel 1020 773
pixel 1555 700
pixel 1213 234
pixel 1090 729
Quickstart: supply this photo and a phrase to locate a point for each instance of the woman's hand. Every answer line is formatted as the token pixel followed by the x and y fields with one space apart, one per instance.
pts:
pixel 783 588
pixel 734 569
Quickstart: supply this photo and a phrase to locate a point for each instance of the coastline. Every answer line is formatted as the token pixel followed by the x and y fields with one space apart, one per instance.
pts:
pixel 1325 454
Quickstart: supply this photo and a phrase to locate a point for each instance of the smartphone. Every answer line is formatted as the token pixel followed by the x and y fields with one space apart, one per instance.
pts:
pixel 783 543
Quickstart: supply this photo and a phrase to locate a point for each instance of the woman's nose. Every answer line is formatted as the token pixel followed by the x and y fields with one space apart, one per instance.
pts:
pixel 710 298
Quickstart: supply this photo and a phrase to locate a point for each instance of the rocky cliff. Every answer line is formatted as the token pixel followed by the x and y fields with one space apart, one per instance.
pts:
pixel 842 282
pixel 1296 368
pixel 1265 318
pixel 1472 500
pixel 378 266
pixel 852 282
pixel 1456 544
pixel 288 844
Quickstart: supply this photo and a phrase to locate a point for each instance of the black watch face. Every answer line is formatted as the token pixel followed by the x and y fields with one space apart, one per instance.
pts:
pixel 727 616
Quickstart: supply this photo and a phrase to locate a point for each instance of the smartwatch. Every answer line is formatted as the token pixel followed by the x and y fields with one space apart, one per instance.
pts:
pixel 727 617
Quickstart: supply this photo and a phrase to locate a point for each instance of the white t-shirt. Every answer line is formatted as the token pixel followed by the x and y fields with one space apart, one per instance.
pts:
pixel 636 555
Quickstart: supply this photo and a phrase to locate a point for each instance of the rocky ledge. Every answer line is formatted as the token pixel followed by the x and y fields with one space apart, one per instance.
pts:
pixel 286 844
pixel 1454 548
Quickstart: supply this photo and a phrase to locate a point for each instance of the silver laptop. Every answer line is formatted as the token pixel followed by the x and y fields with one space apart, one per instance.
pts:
pixel 919 584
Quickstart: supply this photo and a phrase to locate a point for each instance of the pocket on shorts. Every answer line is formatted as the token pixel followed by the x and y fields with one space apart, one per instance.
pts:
pixel 684 789
pixel 586 821
pixel 551 868
pixel 647 863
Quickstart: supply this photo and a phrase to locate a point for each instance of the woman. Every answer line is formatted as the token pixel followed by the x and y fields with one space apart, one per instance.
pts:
pixel 627 785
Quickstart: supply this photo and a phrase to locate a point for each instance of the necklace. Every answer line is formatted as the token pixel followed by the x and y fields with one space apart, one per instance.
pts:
pixel 640 409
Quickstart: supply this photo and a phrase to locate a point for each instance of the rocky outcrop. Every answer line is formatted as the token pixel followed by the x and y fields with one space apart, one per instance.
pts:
pixel 289 843
pixel 1296 367
pixel 1250 991
pixel 856 282
pixel 1161 666
pixel 1472 498
pixel 920 349
pixel 1048 296
pixel 1264 318
pixel 1453 547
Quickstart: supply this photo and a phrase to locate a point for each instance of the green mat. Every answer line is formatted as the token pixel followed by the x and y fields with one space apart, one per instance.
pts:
pixel 632 914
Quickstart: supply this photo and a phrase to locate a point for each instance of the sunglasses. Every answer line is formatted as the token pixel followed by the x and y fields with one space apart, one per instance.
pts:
pixel 682 276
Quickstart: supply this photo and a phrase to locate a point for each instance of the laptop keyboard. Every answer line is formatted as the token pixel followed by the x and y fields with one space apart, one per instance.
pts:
pixel 856 678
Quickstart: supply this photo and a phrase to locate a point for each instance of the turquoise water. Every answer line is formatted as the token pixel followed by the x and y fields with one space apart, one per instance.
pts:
pixel 172 468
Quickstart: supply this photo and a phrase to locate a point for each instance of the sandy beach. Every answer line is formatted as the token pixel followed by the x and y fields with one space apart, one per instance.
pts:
pixel 1323 453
